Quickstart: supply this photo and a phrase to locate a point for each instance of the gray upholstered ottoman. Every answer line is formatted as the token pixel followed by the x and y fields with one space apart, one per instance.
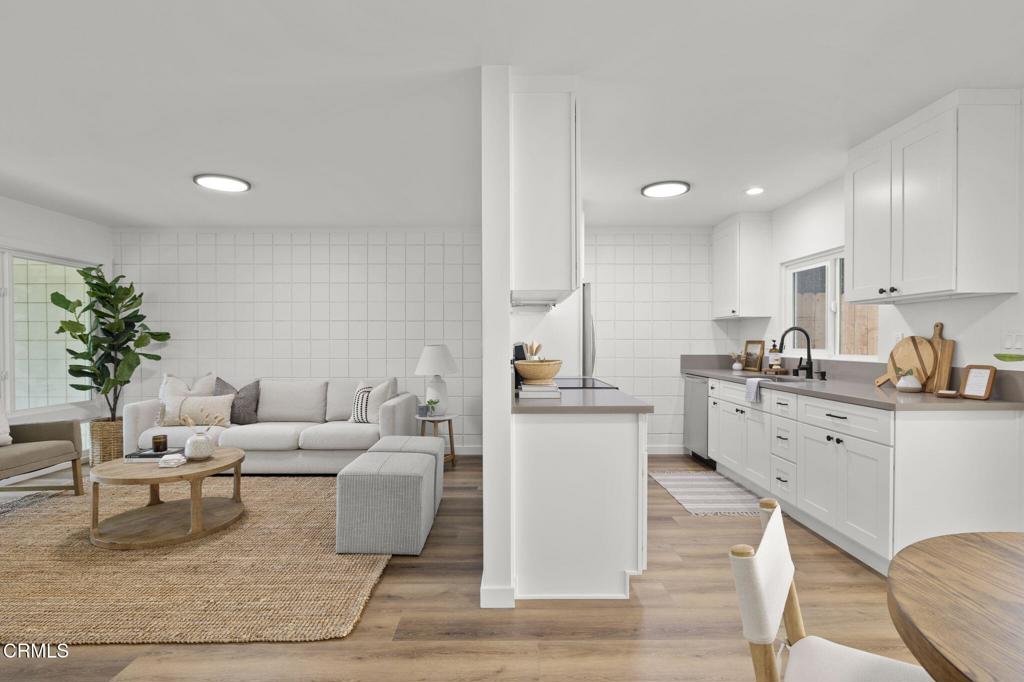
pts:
pixel 385 503
pixel 428 445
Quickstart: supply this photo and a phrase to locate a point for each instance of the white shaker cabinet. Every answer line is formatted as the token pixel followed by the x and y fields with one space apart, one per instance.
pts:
pixel 547 218
pixel 759 434
pixel 741 272
pixel 865 492
pixel 931 203
pixel 732 436
pixel 817 478
pixel 713 420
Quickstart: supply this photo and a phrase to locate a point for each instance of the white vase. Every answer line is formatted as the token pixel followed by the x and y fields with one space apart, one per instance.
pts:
pixel 737 366
pixel 437 390
pixel 198 447
pixel 908 384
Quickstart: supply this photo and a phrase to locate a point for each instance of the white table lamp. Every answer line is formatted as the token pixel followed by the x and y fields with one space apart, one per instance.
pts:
pixel 436 360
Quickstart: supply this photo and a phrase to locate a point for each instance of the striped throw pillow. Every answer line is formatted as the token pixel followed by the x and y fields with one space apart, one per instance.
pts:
pixel 361 405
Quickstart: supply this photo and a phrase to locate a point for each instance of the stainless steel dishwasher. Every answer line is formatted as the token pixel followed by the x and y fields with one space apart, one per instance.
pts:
pixel 695 415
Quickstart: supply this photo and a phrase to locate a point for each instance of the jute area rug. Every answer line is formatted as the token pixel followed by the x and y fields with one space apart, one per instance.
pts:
pixel 273 576
pixel 707 493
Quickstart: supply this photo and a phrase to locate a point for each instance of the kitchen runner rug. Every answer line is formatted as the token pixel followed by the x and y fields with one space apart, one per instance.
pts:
pixel 707 493
pixel 272 576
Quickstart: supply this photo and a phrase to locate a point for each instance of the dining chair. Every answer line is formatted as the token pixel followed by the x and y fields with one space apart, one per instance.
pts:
pixel 767 593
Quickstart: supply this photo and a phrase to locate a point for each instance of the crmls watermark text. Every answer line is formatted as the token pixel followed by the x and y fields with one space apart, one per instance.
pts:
pixel 26 650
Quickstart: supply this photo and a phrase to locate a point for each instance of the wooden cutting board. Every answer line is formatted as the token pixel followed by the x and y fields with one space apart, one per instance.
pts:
pixel 939 379
pixel 912 352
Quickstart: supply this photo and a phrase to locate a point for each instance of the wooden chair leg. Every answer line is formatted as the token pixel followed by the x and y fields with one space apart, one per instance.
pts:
pixel 792 617
pixel 766 666
pixel 76 473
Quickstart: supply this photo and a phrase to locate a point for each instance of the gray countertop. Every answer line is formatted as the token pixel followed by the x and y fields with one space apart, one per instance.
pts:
pixel 583 401
pixel 862 393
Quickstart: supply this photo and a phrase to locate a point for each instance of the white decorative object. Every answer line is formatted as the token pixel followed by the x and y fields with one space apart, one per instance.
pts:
pixel 435 361
pixel 198 447
pixel 908 383
pixel 737 366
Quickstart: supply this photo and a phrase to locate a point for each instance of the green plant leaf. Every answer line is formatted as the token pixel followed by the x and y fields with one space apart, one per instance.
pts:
pixel 142 341
pixel 1009 357
pixel 160 336
pixel 81 387
pixel 71 327
pixel 62 302
pixel 150 356
pixel 127 367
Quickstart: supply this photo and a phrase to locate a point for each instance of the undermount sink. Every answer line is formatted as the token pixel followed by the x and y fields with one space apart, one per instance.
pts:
pixel 787 378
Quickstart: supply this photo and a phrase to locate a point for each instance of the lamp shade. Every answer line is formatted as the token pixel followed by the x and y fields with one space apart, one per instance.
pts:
pixel 436 359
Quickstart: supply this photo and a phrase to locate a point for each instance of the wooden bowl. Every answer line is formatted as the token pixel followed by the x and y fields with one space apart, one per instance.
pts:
pixel 538 371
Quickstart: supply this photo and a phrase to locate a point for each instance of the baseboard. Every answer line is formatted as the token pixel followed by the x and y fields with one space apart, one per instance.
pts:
pixel 497 597
pixel 468 450
pixel 665 449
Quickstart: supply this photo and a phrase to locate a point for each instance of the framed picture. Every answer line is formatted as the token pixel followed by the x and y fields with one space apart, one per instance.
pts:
pixel 753 354
pixel 977 381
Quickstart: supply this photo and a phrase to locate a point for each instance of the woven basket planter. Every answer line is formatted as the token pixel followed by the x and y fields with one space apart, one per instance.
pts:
pixel 106 440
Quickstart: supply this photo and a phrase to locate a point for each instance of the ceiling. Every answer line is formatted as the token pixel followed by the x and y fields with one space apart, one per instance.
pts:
pixel 367 113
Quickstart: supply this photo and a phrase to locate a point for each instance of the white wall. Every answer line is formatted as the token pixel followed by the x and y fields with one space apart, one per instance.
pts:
pixel 292 303
pixel 29 228
pixel 560 330
pixel 652 291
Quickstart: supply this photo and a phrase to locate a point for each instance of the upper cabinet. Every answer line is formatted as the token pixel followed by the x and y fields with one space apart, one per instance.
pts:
pixel 742 276
pixel 547 216
pixel 931 203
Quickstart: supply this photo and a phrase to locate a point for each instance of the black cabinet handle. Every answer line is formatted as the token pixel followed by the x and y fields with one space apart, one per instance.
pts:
pixel 839 441
pixel 781 404
pixel 834 416
pixel 714 404
pixel 781 480
pixel 711 388
pixel 734 312
pixel 739 411
pixel 881 290
pixel 893 290
pixel 829 438
pixel 781 438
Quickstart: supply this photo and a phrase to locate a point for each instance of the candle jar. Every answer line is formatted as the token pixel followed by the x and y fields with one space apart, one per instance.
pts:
pixel 160 443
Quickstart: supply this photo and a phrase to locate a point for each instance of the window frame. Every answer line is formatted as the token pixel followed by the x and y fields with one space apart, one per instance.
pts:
pixel 830 259
pixel 7 352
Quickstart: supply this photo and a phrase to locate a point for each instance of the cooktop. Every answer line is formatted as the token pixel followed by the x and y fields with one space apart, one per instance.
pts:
pixel 581 382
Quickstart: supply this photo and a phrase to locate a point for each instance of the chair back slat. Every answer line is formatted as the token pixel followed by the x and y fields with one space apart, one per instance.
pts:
pixel 763 582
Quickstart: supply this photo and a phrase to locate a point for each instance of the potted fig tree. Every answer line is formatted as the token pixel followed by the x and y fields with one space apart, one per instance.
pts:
pixel 111 332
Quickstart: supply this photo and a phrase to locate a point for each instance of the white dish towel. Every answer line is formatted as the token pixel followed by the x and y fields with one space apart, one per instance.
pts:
pixel 754 390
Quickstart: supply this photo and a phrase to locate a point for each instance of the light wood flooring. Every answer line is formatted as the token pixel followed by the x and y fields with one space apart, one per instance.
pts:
pixel 423 622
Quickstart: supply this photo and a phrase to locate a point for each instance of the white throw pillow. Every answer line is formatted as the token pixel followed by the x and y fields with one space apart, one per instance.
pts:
pixel 5 427
pixel 379 394
pixel 202 410
pixel 173 387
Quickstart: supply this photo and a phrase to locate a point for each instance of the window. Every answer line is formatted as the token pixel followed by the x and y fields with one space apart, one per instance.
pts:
pixel 40 356
pixel 816 301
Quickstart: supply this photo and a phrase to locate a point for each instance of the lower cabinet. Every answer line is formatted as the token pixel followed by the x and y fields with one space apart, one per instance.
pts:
pixel 865 492
pixel 732 436
pixel 759 434
pixel 713 410
pixel 817 470
pixel 783 483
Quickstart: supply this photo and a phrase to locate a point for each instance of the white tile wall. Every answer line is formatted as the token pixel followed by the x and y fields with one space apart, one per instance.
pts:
pixel 652 292
pixel 311 304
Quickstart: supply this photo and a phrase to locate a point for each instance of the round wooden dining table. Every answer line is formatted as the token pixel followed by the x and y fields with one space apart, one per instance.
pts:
pixel 958 603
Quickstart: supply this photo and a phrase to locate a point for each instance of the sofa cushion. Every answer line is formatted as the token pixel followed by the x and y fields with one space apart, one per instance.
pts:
pixel 339 399
pixel 173 389
pixel 265 436
pixel 366 406
pixel 202 410
pixel 176 435
pixel 38 452
pixel 339 436
pixel 243 408
pixel 292 400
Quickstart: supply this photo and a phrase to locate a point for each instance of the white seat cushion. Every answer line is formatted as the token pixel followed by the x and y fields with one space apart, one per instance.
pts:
pixel 292 400
pixel 265 436
pixel 340 436
pixel 814 659
pixel 176 435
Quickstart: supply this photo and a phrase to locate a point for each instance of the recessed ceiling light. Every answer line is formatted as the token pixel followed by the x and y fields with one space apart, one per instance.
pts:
pixel 754 191
pixel 221 183
pixel 665 189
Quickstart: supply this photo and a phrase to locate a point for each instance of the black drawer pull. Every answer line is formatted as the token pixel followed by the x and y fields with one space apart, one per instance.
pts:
pixel 781 438
pixel 714 404
pixel 739 411
pixel 834 416
pixel 781 480
pixel 780 404
pixel 711 388
pixel 839 441
pixel 829 438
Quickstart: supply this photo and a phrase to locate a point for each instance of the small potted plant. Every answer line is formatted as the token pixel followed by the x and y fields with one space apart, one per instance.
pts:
pixel 431 407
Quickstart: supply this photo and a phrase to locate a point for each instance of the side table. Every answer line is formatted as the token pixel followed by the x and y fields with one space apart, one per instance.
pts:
pixel 436 420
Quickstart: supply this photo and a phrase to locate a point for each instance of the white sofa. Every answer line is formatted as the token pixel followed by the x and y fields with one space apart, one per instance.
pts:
pixel 302 427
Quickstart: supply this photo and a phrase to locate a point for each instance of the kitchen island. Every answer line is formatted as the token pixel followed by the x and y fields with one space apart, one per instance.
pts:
pixel 580 492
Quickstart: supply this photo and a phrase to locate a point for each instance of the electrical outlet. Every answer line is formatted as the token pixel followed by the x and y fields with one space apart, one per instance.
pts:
pixel 1008 340
pixel 1018 340
pixel 899 336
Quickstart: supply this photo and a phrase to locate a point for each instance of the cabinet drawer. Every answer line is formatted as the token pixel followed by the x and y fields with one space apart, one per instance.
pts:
pixel 784 435
pixel 782 404
pixel 714 388
pixel 783 483
pixel 853 420
pixel 733 392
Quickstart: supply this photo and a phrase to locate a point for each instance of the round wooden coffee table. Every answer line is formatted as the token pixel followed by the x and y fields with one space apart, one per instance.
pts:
pixel 162 523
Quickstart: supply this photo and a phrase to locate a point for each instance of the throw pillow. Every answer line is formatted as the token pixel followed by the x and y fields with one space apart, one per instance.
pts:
pixel 360 405
pixel 376 396
pixel 203 411
pixel 5 427
pixel 247 399
pixel 175 387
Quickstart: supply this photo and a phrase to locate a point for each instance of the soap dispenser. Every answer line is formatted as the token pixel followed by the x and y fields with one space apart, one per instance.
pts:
pixel 774 356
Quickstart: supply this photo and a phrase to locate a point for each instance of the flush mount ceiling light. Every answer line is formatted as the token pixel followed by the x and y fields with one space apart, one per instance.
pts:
pixel 222 183
pixel 666 189
pixel 754 191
